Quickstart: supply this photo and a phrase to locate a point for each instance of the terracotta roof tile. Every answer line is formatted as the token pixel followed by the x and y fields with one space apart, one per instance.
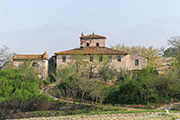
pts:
pixel 92 36
pixel 34 57
pixel 92 50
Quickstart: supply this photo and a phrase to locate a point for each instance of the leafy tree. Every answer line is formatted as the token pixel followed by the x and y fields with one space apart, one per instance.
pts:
pixel 64 76
pixel 174 42
pixel 140 90
pixel 146 78
pixel 169 52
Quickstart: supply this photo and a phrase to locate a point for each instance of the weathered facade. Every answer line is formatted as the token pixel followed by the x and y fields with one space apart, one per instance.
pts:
pixel 164 65
pixel 163 69
pixel 95 45
pixel 90 46
pixel 39 62
pixel 92 41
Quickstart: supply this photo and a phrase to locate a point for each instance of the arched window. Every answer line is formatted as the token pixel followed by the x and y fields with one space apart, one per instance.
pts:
pixel 97 44
pixel 87 44
pixel 35 65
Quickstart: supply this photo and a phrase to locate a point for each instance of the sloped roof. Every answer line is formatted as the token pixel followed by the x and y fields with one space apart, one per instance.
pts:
pixel 92 51
pixel 33 57
pixel 167 65
pixel 92 36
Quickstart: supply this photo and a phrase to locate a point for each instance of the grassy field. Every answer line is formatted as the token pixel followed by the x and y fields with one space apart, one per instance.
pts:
pixel 90 110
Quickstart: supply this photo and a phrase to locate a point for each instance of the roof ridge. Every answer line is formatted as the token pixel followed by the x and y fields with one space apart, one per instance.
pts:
pixel 92 50
pixel 28 54
pixel 92 36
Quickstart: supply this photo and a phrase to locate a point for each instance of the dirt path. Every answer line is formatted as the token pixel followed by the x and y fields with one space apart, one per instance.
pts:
pixel 46 89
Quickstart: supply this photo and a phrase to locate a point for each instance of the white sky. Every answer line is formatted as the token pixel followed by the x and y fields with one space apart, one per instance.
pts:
pixel 33 26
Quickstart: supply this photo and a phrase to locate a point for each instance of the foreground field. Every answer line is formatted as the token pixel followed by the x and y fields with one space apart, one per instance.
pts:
pixel 122 116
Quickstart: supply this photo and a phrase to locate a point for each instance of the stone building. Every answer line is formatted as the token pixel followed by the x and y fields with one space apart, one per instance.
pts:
pixel 164 65
pixel 90 46
pixel 38 61
pixel 96 45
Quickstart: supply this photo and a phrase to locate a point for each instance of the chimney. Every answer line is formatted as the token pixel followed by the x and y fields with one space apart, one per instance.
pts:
pixel 82 34
pixel 45 55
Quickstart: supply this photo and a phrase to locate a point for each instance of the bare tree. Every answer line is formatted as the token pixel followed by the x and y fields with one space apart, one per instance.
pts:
pixel 83 85
pixel 94 91
pixel 5 53
pixel 5 57
pixel 29 74
pixel 97 92
pixel 74 87
pixel 106 72
pixel 102 94
pixel 175 44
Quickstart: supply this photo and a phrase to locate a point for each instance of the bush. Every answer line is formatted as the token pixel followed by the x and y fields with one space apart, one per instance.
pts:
pixel 12 86
pixel 147 87
pixel 10 107
pixel 20 93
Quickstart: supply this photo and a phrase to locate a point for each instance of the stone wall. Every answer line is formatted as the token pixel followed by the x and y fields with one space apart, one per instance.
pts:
pixel 130 62
pixel 93 42
pixel 127 61
pixel 42 70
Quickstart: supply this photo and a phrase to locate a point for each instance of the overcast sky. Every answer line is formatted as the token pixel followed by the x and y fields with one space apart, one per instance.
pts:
pixel 33 26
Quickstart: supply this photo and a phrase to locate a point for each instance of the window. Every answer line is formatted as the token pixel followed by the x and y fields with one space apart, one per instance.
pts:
pixel 97 44
pixel 87 44
pixel 35 65
pixel 109 58
pixel 64 59
pixel 136 62
pixel 91 58
pixel 100 59
pixel 118 58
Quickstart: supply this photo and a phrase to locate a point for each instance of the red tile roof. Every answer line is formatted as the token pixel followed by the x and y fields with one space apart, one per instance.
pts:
pixel 92 36
pixel 92 50
pixel 33 57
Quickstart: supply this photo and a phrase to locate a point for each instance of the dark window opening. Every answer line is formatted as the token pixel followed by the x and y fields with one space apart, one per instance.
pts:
pixel 97 44
pixel 87 44
pixel 118 58
pixel 136 62
pixel 91 58
pixel 35 64
pixel 64 59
